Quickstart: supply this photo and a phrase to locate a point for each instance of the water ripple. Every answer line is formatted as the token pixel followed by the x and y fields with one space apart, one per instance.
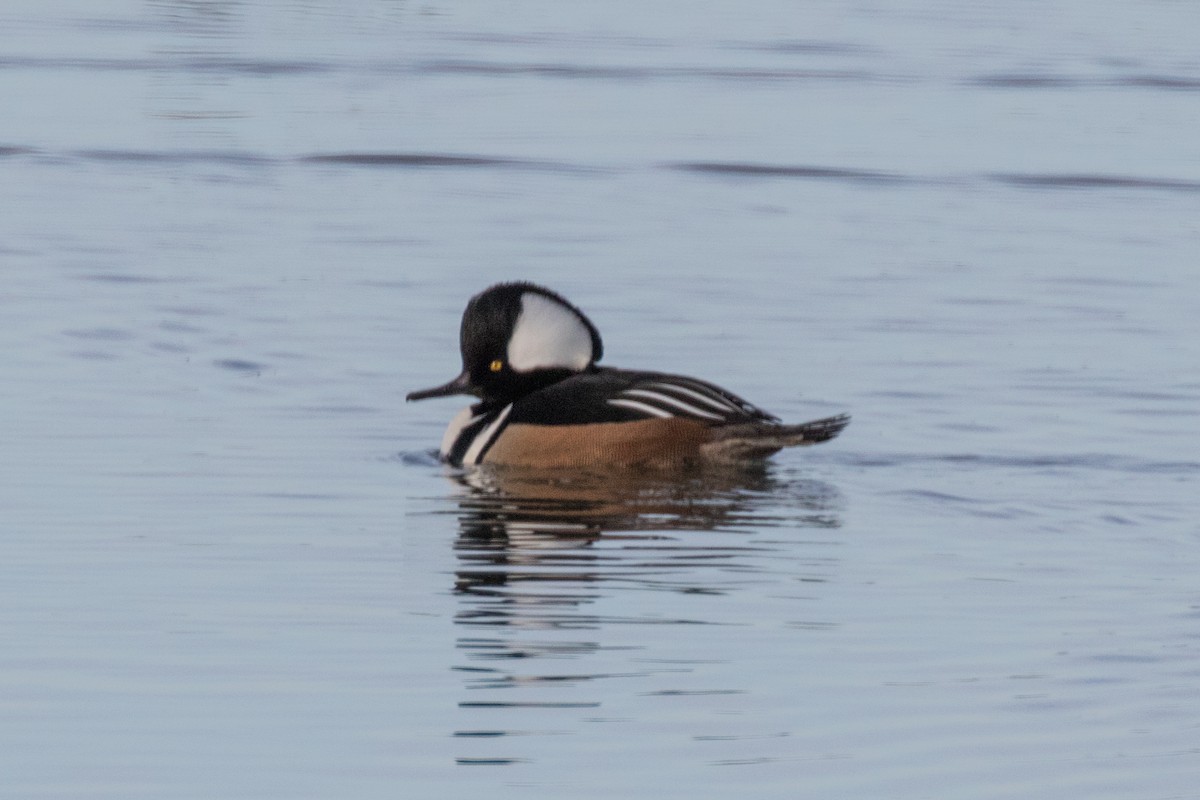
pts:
pixel 433 160
pixel 175 157
pixel 1040 80
pixel 570 70
pixel 1093 181
pixel 786 171
pixel 407 160
pixel 737 169
pixel 1090 461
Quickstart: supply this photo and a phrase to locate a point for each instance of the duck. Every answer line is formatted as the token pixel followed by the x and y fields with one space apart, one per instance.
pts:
pixel 530 357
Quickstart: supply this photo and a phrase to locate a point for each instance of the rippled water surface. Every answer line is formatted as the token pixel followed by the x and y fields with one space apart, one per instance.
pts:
pixel 234 235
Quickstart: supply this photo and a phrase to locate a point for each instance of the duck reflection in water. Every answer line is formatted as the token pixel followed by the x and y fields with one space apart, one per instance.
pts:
pixel 569 580
pixel 530 527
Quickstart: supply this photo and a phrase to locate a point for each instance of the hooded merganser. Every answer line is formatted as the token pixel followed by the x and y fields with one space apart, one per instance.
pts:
pixel 530 357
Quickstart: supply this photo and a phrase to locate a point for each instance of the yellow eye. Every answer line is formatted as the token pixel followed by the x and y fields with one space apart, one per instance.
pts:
pixel 496 365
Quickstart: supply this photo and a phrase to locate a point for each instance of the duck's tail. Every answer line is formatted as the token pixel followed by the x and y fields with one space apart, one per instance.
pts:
pixel 755 440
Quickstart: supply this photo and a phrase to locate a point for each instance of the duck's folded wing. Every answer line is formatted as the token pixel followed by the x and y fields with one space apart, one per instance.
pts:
pixel 753 440
pixel 613 395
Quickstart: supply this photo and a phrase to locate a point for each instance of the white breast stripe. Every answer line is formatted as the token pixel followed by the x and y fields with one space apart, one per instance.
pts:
pixel 636 406
pixel 716 401
pixel 667 400
pixel 462 420
pixel 485 436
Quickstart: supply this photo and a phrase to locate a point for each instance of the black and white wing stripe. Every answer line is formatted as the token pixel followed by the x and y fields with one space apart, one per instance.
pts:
pixel 676 396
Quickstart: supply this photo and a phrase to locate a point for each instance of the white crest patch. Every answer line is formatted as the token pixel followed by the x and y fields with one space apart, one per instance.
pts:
pixel 548 335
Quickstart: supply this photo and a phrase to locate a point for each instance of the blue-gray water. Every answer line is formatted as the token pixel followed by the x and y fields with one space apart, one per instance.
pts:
pixel 234 235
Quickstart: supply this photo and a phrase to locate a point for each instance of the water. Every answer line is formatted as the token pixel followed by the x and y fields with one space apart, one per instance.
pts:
pixel 233 236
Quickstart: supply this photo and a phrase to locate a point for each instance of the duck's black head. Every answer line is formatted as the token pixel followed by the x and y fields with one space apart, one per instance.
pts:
pixel 515 339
